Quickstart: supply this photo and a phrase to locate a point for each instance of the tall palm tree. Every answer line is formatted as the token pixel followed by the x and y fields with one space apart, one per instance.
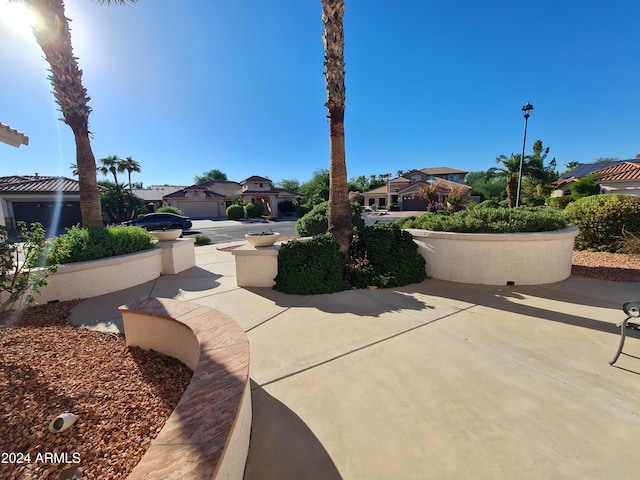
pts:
pixel 129 165
pixel 51 30
pixel 510 170
pixel 110 164
pixel 339 215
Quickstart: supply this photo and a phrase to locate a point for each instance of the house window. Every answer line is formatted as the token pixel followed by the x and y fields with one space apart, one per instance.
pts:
pixel 415 178
pixel 382 202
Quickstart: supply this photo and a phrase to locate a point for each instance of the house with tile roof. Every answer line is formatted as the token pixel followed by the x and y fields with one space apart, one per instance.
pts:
pixel 404 191
pixel 619 176
pixel 211 199
pixel 52 201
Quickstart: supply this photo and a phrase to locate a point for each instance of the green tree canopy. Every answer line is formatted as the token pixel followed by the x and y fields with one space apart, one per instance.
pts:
pixel 214 174
pixel 316 189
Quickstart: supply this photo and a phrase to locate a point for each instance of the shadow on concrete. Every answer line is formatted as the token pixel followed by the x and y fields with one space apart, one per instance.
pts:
pixel 282 446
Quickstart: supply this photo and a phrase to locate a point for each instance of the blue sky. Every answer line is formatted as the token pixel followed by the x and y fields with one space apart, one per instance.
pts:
pixel 187 86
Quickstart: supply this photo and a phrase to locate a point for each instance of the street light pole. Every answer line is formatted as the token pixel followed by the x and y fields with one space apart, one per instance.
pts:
pixel 526 111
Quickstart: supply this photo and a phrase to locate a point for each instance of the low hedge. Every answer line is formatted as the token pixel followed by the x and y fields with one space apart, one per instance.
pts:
pixel 83 244
pixel 311 266
pixel 491 220
pixel 382 255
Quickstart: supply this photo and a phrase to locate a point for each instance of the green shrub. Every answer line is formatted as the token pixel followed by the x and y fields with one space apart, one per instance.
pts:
pixel 385 256
pixel 602 219
pixel 310 267
pixel 286 208
pixel 585 187
pixel 302 210
pixel 254 210
pixel 493 220
pixel 19 281
pixel 169 209
pixel 560 202
pixel 202 240
pixel 235 212
pixel 316 223
pixel 82 244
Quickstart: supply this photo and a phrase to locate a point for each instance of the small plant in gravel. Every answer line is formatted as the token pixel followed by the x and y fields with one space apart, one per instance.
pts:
pixel 202 240
pixel 20 279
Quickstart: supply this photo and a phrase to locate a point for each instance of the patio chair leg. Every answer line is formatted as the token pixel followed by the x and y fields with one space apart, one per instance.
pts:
pixel 623 327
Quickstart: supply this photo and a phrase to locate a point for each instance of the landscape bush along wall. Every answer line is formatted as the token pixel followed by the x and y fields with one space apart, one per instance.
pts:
pixel 491 220
pixel 253 210
pixel 82 244
pixel 604 220
pixel 310 267
pixel 169 209
pixel 316 222
pixel 383 255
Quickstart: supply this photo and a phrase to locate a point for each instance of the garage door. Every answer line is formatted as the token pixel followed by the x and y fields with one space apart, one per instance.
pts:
pixel 44 213
pixel 416 204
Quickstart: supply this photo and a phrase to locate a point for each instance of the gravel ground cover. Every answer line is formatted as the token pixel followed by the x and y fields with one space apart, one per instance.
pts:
pixel 122 396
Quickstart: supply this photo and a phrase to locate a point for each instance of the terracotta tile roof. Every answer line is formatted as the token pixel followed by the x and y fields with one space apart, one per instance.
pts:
pixel 183 194
pixel 624 171
pixel 38 184
pixel 12 137
pixel 441 171
pixel 256 178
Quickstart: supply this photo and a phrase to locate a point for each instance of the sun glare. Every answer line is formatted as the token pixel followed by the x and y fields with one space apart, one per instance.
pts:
pixel 17 17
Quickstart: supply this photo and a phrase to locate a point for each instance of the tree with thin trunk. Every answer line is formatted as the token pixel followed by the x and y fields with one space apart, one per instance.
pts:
pixel 339 215
pixel 129 165
pixel 110 165
pixel 510 170
pixel 52 33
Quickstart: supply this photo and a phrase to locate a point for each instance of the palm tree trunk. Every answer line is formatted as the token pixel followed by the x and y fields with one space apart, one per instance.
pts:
pixel 53 35
pixel 512 191
pixel 339 215
pixel 90 207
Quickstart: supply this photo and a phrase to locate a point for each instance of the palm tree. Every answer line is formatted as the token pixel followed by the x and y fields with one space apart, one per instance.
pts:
pixel 510 170
pixel 110 164
pixel 339 215
pixel 129 165
pixel 74 169
pixel 52 34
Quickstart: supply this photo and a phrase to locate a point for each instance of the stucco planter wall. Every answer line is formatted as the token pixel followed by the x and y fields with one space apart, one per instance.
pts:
pixel 497 259
pixel 98 277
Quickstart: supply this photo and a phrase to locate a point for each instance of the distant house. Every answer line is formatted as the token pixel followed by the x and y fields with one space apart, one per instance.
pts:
pixel 52 201
pixel 12 137
pixel 620 176
pixel 153 195
pixel 404 191
pixel 211 198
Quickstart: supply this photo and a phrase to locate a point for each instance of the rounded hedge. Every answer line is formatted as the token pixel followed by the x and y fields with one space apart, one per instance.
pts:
pixel 316 222
pixel 603 219
pixel 491 220
pixel 235 212
pixel 254 210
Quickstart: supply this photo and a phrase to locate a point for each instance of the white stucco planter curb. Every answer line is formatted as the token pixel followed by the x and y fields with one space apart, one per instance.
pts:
pixel 107 275
pixel 497 259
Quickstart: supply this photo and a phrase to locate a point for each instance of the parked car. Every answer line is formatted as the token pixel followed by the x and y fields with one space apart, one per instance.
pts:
pixel 161 221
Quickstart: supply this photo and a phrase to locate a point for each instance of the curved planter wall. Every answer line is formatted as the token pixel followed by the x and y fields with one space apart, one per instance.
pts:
pixel 497 259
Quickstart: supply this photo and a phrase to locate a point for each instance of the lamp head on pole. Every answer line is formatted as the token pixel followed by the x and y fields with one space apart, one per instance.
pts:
pixel 526 110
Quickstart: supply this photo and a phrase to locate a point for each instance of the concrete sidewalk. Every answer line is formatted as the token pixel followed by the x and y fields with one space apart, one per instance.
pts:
pixel 429 381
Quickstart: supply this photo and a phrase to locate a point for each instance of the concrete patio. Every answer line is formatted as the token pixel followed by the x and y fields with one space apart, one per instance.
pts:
pixel 435 380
